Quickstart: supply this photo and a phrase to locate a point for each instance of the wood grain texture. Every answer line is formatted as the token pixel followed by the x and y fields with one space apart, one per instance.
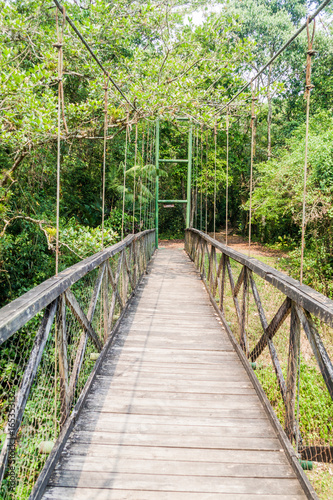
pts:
pixel 89 493
pixel 172 413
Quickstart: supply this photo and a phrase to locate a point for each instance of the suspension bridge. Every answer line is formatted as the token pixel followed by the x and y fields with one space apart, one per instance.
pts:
pixel 162 401
pixel 136 373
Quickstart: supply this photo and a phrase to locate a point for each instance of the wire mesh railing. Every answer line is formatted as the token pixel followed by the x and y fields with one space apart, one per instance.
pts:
pixel 291 359
pixel 50 342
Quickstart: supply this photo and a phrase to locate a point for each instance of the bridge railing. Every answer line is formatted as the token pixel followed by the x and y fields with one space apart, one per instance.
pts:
pixel 52 340
pixel 253 301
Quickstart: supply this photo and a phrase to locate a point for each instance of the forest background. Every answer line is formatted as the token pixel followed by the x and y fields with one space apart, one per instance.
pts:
pixel 170 58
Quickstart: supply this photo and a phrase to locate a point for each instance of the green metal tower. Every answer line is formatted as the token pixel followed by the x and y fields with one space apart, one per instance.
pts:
pixel 158 160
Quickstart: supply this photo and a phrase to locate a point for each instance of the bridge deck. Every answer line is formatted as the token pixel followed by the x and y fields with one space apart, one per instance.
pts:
pixel 173 414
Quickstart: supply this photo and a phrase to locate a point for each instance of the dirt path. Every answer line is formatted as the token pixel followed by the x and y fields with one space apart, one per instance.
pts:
pixel 237 242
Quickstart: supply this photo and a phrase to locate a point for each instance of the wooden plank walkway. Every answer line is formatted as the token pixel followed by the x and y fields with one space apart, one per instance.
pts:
pixel 173 414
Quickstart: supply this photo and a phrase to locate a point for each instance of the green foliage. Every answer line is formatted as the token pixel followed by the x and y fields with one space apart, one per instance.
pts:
pixel 315 403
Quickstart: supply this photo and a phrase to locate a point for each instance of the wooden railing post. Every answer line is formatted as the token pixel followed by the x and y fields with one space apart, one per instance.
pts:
pixel 135 279
pixel 222 286
pixel 242 336
pixel 294 351
pixel 63 362
pixel 105 305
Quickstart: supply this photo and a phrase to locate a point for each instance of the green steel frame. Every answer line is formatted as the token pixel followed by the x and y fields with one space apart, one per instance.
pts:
pixel 189 176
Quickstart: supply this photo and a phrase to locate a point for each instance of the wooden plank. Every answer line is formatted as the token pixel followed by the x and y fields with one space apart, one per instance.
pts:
pixel 229 402
pixel 133 361
pixel 135 466
pixel 146 408
pixel 186 397
pixel 183 431
pixel 153 385
pixel 171 352
pixel 175 370
pixel 169 336
pixel 171 343
pixel 88 493
pixel 154 482
pixel 188 420
pixel 177 454
pixel 166 328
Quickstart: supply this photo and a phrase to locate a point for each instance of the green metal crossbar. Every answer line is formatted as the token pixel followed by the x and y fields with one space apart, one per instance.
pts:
pixel 169 160
pixel 165 160
pixel 172 201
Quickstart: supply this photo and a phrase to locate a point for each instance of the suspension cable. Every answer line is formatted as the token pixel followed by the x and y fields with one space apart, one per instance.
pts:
pixel 215 141
pixel 308 88
pixel 153 184
pixel 253 117
pixel 141 172
pixel 206 185
pixel 70 22
pixel 291 39
pixel 297 433
pixel 59 46
pixel 124 186
pixel 104 152
pixel 227 181
pixel 196 177
pixel 201 162
pixel 135 157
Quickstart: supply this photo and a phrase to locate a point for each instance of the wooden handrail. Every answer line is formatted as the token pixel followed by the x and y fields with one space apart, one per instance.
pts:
pixel 305 296
pixel 18 312
pixel 299 302
pixel 54 296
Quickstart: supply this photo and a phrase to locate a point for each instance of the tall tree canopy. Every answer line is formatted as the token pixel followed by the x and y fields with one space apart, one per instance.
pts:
pixel 170 59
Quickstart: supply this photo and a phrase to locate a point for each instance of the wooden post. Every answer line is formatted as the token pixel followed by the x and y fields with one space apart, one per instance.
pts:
pixel 134 263
pixel 222 287
pixel 242 336
pixel 210 267
pixel 105 306
pixel 294 351
pixel 216 273
pixel 270 344
pixel 232 286
pixel 63 362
